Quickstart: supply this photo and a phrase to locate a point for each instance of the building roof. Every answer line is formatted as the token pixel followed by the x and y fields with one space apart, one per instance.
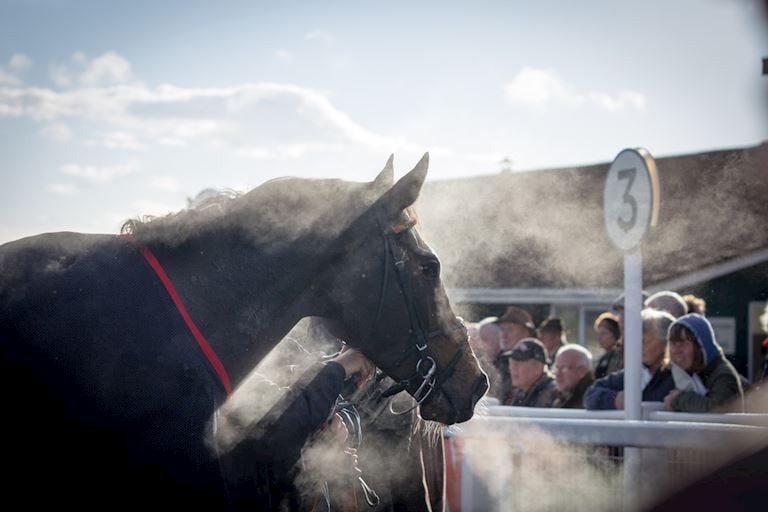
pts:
pixel 545 229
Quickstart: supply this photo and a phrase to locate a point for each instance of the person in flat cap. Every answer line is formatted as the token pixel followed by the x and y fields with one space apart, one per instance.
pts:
pixel 533 383
pixel 551 335
pixel 515 324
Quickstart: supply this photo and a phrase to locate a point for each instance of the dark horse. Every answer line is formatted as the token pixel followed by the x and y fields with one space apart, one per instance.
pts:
pixel 117 350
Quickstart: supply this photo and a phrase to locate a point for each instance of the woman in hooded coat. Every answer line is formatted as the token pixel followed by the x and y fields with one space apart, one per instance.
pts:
pixel 704 378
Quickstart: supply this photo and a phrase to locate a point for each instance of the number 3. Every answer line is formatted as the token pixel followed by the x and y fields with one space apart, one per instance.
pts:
pixel 629 175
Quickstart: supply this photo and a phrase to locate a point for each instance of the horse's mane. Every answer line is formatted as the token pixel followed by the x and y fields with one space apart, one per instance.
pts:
pixel 286 207
pixel 198 212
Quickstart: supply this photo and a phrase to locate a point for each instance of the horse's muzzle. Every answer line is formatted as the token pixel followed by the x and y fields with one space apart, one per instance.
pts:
pixel 447 408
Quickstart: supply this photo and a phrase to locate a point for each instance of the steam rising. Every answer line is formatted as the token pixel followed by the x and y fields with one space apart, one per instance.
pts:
pixel 532 471
pixel 267 383
pixel 390 454
pixel 275 214
pixel 546 228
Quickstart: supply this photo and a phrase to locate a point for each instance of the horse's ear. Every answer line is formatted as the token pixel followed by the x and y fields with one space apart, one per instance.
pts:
pixel 386 177
pixel 405 192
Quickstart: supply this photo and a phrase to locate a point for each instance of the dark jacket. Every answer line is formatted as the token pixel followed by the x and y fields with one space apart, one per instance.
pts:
pixel 504 380
pixel 541 393
pixel 724 390
pixel 574 398
pixel 602 393
pixel 719 376
pixel 608 363
pixel 261 468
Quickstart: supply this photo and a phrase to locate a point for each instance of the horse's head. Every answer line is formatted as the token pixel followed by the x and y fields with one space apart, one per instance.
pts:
pixel 387 299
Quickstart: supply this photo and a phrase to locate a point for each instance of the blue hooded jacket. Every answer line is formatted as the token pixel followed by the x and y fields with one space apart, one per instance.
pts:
pixel 704 334
pixel 724 390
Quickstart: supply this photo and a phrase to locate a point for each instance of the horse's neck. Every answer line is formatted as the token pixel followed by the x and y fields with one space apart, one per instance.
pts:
pixel 243 298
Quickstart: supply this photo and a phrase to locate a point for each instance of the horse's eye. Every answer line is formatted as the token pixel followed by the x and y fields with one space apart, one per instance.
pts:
pixel 431 269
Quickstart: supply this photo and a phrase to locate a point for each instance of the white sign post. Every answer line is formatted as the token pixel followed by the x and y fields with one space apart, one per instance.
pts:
pixel 631 204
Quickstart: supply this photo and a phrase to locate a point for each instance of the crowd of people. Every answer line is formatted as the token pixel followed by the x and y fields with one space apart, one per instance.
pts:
pixel 683 366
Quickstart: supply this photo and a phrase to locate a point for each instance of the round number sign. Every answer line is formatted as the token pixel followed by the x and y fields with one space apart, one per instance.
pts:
pixel 631 197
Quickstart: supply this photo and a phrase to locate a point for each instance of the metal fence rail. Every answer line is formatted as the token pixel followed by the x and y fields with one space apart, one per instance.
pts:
pixel 517 458
pixel 652 411
pixel 639 434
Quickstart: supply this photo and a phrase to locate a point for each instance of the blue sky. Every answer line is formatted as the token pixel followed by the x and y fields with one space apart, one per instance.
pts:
pixel 109 110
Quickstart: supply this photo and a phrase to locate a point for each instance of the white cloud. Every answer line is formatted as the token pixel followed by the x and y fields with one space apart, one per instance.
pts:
pixel 107 69
pixel 621 101
pixel 7 78
pixel 98 174
pixel 17 64
pixel 541 88
pixel 117 140
pixel 298 116
pixel 164 183
pixel 284 55
pixel 59 132
pixel 171 141
pixel 63 189
pixel 291 151
pixel 538 87
pixel 286 120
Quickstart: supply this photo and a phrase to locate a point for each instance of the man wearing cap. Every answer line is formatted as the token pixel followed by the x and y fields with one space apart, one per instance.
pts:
pixel 515 324
pixel 551 336
pixel 534 385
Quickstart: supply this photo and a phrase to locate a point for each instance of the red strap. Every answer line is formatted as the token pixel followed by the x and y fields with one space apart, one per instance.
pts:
pixel 201 341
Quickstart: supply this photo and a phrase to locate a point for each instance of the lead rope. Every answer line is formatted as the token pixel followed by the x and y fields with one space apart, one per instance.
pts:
pixel 351 418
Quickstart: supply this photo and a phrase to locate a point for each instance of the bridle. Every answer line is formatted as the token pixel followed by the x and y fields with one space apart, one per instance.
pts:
pixel 426 370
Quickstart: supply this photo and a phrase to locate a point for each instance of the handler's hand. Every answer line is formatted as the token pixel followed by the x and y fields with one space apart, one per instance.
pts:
pixel 354 361
pixel 618 401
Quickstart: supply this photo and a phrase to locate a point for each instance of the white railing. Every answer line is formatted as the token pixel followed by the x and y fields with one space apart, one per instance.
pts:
pixel 652 411
pixel 495 447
